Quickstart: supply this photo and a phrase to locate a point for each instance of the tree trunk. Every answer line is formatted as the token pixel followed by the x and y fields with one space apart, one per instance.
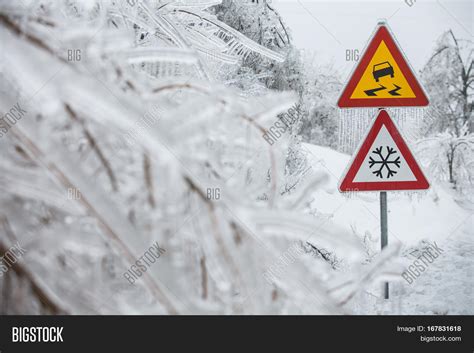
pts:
pixel 451 167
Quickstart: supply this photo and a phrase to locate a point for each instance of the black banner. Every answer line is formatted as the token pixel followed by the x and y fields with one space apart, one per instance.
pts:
pixel 246 333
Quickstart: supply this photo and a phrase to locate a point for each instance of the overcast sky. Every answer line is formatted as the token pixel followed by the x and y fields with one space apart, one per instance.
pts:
pixel 332 26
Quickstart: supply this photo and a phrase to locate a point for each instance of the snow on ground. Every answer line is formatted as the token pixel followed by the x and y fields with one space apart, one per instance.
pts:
pixel 446 287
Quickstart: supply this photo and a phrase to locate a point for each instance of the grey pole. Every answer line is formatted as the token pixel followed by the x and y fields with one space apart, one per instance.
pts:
pixel 384 229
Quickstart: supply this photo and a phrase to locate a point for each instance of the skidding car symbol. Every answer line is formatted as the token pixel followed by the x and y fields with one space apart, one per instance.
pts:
pixel 382 69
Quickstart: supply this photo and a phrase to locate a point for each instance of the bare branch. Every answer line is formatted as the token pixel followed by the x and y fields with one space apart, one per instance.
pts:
pixel 39 289
pixel 95 147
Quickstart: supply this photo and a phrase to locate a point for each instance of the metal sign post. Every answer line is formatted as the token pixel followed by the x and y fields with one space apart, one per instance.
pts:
pixel 384 229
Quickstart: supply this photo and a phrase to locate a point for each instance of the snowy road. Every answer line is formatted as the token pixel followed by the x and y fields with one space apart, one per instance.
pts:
pixel 446 287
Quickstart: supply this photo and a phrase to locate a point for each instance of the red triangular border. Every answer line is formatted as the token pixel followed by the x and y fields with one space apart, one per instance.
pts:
pixel 348 184
pixel 383 34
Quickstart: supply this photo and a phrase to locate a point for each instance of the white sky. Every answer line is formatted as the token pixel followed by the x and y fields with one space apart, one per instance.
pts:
pixel 330 27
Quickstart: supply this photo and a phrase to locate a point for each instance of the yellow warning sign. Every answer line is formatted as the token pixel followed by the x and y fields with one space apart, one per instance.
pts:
pixel 383 78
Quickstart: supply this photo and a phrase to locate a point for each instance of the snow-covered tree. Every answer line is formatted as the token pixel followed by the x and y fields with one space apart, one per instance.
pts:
pixel 259 21
pixel 449 79
pixel 322 86
pixel 450 156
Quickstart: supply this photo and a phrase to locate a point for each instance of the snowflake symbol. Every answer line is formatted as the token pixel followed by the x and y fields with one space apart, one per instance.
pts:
pixel 384 162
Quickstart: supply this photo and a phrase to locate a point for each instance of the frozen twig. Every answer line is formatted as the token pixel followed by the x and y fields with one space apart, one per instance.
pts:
pixel 148 175
pixel 95 147
pixel 39 289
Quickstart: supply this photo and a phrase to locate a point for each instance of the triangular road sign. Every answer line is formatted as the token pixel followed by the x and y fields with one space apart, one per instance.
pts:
pixel 383 77
pixel 383 162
